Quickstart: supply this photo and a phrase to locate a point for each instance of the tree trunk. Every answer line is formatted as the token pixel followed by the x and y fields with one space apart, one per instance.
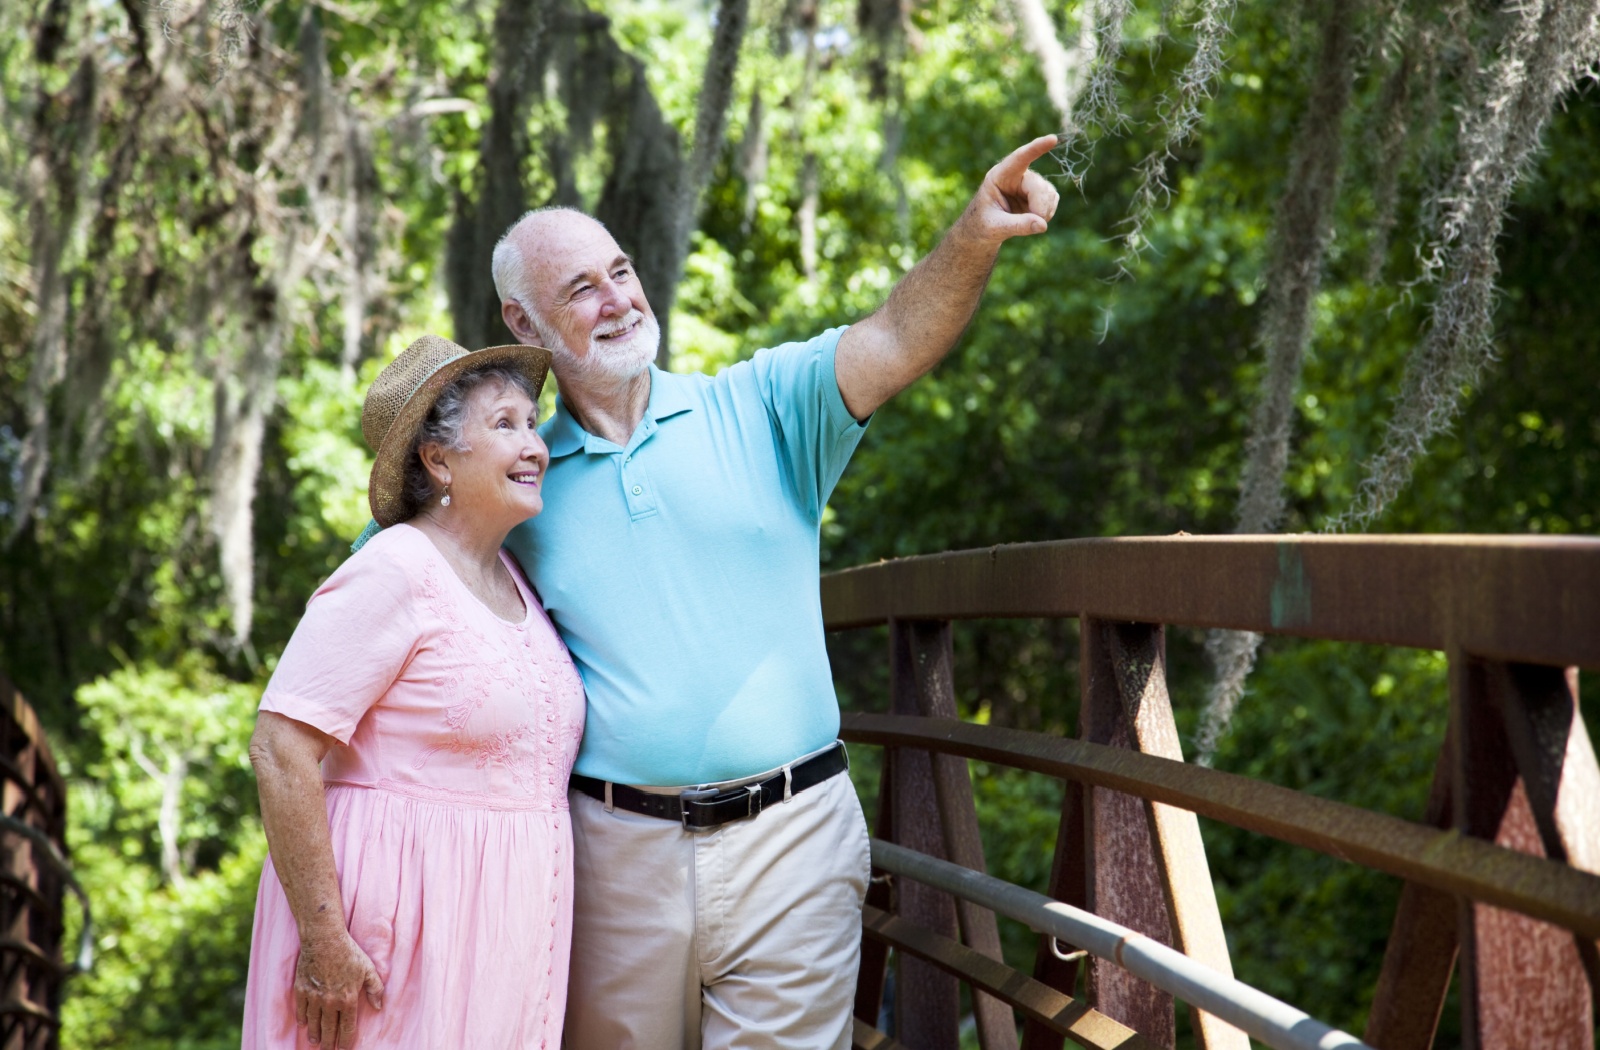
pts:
pixel 57 178
pixel 641 198
pixel 502 154
pixel 1063 70
pixel 710 127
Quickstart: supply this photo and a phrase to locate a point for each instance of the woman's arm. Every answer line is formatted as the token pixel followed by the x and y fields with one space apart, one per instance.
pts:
pixel 332 970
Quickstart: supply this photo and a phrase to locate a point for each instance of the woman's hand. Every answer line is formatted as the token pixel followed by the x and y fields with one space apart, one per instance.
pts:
pixel 329 979
pixel 332 971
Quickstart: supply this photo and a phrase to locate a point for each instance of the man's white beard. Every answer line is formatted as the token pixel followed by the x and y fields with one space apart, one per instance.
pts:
pixel 607 361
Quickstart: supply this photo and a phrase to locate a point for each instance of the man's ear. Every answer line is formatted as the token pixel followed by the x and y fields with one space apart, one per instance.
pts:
pixel 517 319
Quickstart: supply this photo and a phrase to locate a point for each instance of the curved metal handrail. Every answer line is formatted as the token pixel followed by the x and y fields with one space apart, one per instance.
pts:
pixel 1254 1012
pixel 1445 860
pixel 1425 592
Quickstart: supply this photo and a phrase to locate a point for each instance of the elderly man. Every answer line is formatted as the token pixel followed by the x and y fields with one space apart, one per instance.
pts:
pixel 720 857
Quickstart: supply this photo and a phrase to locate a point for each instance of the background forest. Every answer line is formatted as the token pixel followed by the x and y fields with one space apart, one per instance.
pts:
pixel 1321 264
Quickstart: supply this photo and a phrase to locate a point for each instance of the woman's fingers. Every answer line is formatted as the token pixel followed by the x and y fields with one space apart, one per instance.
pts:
pixel 374 988
pixel 330 979
pixel 314 1021
pixel 347 1028
pixel 331 1024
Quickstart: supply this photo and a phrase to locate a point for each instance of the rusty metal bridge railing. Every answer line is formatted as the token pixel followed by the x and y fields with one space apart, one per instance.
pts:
pixel 34 879
pixel 1499 873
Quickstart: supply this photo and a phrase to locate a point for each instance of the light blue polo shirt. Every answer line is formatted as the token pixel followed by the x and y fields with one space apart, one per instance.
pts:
pixel 682 569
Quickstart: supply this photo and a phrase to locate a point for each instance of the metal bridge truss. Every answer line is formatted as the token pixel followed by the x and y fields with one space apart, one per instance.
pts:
pixel 1499 873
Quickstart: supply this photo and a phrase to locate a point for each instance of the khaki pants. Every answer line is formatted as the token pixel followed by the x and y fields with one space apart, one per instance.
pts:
pixel 746 937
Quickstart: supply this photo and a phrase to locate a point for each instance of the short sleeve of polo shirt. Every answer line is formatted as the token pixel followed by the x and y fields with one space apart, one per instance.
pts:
pixel 816 431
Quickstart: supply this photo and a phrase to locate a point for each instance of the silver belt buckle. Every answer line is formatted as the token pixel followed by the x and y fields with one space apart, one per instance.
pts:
pixel 688 795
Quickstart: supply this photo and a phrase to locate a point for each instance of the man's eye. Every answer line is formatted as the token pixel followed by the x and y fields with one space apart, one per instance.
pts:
pixel 623 274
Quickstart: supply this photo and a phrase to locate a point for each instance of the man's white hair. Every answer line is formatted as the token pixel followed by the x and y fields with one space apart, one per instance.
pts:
pixel 510 269
pixel 510 275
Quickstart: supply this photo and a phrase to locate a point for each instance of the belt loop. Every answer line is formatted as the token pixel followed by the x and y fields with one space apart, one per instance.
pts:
pixel 840 745
pixel 608 796
pixel 788 782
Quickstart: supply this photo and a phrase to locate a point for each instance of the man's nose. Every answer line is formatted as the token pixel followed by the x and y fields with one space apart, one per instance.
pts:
pixel 615 300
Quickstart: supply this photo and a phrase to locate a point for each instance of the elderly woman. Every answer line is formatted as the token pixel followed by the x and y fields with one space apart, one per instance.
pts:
pixel 414 743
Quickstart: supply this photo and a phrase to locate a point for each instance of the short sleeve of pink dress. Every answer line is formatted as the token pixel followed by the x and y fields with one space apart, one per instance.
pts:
pixel 446 804
pixel 359 632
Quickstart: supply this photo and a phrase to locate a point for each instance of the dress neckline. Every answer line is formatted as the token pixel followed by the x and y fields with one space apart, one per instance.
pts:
pixel 461 585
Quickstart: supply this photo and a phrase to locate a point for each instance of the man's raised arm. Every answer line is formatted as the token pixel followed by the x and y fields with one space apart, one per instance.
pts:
pixel 927 311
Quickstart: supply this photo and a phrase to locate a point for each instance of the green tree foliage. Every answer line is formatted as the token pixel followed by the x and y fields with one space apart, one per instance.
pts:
pixel 167 841
pixel 1076 405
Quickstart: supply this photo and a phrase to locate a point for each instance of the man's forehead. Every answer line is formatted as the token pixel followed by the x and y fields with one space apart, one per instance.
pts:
pixel 562 245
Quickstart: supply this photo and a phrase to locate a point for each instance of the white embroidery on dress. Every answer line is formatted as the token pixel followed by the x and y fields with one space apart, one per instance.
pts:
pixel 499 671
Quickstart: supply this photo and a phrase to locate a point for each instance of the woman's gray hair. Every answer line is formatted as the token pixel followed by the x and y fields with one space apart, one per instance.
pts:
pixel 446 424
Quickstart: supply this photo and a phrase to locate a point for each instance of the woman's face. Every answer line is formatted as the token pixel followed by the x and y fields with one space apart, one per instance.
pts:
pixel 499 481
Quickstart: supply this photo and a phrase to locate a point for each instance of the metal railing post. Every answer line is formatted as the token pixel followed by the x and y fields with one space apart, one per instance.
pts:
pixel 927 1000
pixel 1525 778
pixel 1068 869
pixel 932 658
pixel 1423 943
pixel 1123 878
pixel 872 976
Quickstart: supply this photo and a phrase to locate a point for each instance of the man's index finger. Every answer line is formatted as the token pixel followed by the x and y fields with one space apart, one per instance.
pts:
pixel 1014 166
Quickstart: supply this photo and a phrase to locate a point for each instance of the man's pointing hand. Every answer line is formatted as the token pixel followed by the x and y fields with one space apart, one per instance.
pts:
pixel 927 310
pixel 1014 201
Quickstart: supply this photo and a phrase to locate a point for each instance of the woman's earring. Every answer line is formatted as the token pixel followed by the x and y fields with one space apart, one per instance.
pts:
pixel 445 502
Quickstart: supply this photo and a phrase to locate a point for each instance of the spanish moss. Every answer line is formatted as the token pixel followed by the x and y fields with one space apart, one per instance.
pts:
pixel 1180 120
pixel 1095 111
pixel 1293 277
pixel 1547 50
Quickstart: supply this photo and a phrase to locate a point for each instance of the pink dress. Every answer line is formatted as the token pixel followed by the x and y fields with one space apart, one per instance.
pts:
pixel 448 806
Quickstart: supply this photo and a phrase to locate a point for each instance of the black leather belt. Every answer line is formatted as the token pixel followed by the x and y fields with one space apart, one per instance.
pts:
pixel 701 809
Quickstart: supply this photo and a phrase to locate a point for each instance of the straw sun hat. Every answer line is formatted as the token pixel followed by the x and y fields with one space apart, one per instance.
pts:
pixel 402 396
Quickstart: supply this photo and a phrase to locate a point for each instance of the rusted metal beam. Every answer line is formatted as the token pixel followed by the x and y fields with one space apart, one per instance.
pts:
pixel 1533 599
pixel 46 773
pixel 1524 984
pixel 1443 860
pixel 1068 869
pixel 32 826
pixel 1124 875
pixel 1135 656
pixel 1042 1004
pixel 865 1037
pixel 1421 954
pixel 926 998
pixel 931 659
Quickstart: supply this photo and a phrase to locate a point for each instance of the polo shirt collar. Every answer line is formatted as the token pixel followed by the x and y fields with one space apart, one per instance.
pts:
pixel 669 396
